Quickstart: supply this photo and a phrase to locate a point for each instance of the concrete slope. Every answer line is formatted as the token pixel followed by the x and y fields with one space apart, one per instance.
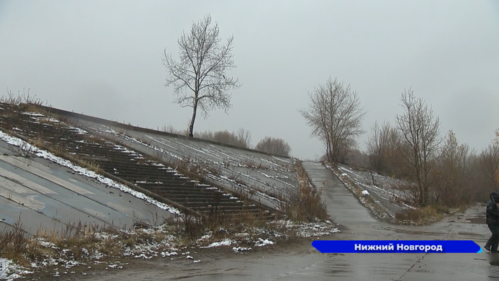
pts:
pixel 140 173
pixel 259 176
pixel 44 195
pixel 341 205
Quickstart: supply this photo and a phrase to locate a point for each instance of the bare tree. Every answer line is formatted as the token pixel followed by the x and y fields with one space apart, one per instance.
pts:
pixel 384 150
pixel 199 78
pixel 378 146
pixel 452 172
pixel 488 162
pixel 335 116
pixel 244 137
pixel 274 146
pixel 483 176
pixel 420 132
pixel 357 158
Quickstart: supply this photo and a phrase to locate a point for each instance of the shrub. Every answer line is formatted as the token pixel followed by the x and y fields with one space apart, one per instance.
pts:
pixel 274 146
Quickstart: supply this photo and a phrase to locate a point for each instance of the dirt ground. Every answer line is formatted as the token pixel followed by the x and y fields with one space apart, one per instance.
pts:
pixel 161 267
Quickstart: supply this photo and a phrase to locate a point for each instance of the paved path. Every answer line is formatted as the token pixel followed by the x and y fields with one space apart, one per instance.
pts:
pixel 341 205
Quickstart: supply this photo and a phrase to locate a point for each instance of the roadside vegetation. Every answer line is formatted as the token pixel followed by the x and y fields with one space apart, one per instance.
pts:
pixel 447 175
pixel 442 174
pixel 304 203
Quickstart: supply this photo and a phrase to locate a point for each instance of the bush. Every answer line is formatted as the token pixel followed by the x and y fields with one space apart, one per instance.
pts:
pixel 274 146
pixel 240 139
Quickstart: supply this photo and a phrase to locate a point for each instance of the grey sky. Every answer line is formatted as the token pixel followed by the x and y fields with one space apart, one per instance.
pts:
pixel 103 58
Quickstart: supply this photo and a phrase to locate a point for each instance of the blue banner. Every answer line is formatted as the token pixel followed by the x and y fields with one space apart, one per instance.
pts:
pixel 396 246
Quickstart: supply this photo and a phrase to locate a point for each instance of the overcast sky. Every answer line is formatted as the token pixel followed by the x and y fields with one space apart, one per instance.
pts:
pixel 103 58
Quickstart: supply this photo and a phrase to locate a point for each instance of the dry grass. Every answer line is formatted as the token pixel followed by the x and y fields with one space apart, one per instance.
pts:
pixel 24 98
pixel 190 168
pixel 304 203
pixel 90 165
pixel 188 228
pixel 14 243
pixel 75 242
pixel 422 216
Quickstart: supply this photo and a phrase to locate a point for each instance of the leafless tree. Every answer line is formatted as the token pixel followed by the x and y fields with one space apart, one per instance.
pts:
pixel 452 172
pixel 384 149
pixel 245 137
pixel 420 132
pixel 335 116
pixel 484 171
pixel 357 158
pixel 488 162
pixel 199 79
pixel 274 146
pixel 378 146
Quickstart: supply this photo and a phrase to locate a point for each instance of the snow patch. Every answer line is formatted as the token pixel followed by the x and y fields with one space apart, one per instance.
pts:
pixel 240 249
pixel 11 271
pixel 261 242
pixel 225 242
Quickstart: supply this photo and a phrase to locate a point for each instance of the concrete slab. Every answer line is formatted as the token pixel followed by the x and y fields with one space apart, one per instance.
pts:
pixel 46 195
pixel 32 221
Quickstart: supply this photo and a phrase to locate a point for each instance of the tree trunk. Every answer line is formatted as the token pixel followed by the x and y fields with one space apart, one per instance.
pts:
pixel 191 126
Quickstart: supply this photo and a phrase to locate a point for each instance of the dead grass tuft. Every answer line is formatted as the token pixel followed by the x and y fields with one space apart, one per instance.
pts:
pixel 90 165
pixel 14 244
pixel 188 228
pixel 304 203
pixel 25 99
pixel 422 216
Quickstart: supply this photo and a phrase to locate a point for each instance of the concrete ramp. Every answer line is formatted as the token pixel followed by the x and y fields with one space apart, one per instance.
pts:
pixel 341 204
